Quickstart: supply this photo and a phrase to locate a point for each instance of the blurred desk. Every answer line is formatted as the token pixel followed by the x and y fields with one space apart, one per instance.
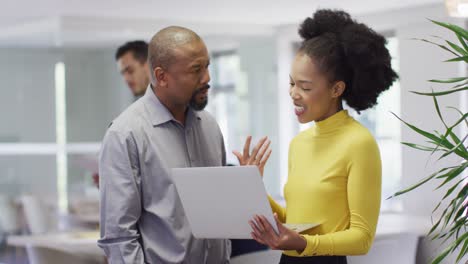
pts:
pixel 85 210
pixel 83 244
pixel 91 219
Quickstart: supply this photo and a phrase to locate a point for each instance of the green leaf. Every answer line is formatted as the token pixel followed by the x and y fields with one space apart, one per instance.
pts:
pixel 452 168
pixel 426 134
pixel 463 116
pixel 452 210
pixel 442 93
pixel 419 147
pixel 436 104
pixel 434 227
pixel 461 222
pixel 463 251
pixel 441 256
pixel 434 98
pixel 439 45
pixel 457 48
pixel 452 189
pixel 439 140
pixel 441 217
pixel 452 80
pixel 462 42
pixel 428 178
pixel 437 207
pixel 463 58
pixel 462 194
pixel 460 147
pixel 455 205
pixel 462 208
pixel 456 29
pixel 460 85
pixel 459 241
pixel 453 231
pixel 452 174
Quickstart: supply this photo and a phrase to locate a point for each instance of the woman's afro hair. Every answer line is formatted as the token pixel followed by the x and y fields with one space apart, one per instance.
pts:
pixel 351 52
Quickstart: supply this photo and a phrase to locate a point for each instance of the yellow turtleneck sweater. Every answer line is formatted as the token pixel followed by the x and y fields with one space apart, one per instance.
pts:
pixel 335 180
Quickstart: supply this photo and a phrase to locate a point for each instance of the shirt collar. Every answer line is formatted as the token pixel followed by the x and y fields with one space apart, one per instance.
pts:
pixel 159 114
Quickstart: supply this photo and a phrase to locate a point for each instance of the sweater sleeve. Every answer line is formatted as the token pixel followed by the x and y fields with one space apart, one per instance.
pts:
pixel 278 209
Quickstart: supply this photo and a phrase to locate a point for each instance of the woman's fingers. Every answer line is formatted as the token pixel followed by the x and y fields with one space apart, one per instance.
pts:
pixel 268 227
pixel 278 223
pixel 255 227
pixel 265 159
pixel 257 238
pixel 239 156
pixel 253 156
pixel 247 147
pixel 261 225
pixel 262 151
pixel 257 234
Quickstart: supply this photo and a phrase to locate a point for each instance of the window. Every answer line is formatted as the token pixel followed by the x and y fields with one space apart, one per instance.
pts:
pixel 56 105
pixel 228 100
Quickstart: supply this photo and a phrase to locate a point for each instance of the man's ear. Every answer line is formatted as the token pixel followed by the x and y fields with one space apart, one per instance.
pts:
pixel 161 76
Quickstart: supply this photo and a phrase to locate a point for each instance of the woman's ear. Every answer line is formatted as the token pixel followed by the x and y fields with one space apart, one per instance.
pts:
pixel 338 89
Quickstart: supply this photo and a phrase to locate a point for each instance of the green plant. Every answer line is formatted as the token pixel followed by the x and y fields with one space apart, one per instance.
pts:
pixel 453 222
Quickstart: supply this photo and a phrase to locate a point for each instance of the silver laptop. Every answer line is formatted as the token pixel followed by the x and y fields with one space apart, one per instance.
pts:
pixel 220 201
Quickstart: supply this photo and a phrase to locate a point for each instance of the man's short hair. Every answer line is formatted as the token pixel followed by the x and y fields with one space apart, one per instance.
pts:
pixel 164 43
pixel 139 49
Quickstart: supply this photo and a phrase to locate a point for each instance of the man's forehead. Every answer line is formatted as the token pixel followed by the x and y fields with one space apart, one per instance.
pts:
pixel 188 55
pixel 192 47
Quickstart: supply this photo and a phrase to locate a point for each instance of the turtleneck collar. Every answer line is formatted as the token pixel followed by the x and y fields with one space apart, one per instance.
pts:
pixel 332 123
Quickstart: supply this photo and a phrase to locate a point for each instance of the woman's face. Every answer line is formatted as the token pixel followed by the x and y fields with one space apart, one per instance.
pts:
pixel 314 97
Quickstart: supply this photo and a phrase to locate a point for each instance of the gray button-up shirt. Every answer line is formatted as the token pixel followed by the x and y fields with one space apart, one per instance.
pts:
pixel 142 218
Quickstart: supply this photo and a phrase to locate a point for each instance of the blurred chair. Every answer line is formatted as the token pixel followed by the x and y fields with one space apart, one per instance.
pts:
pixel 36 215
pixel 40 255
pixel 8 221
pixel 8 217
pixel 9 225
pixel 390 249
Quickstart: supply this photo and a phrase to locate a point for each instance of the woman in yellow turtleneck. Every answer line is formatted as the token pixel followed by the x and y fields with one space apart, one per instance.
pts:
pixel 334 167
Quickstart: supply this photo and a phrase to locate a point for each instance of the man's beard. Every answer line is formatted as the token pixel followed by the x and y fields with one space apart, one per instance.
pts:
pixel 199 106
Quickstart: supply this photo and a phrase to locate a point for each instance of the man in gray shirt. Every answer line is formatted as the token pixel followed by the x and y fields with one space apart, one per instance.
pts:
pixel 142 219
